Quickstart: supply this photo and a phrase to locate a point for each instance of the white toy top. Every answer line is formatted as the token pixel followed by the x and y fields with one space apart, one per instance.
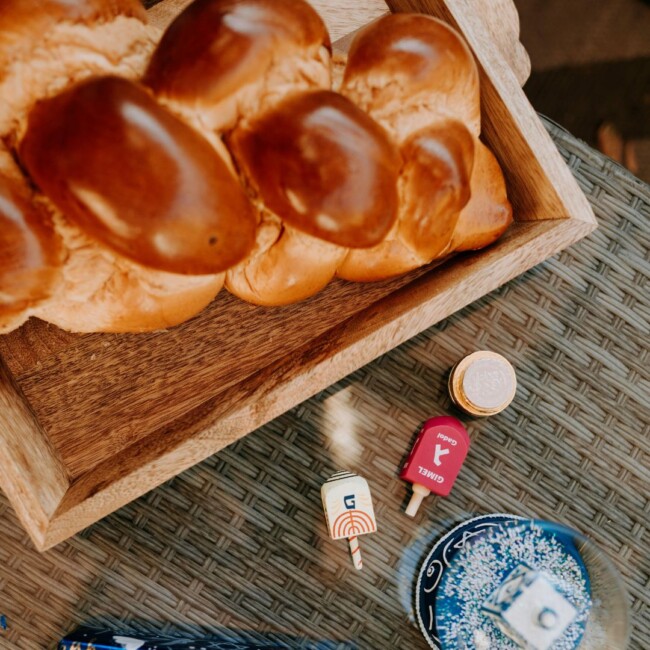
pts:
pixel 348 510
pixel 348 506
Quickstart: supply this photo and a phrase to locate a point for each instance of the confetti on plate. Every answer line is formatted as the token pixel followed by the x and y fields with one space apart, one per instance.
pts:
pixel 458 599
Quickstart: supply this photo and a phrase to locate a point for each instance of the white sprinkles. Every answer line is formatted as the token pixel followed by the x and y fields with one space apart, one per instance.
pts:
pixel 480 566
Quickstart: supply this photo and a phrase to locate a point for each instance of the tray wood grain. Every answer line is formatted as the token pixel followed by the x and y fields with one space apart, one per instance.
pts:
pixel 90 422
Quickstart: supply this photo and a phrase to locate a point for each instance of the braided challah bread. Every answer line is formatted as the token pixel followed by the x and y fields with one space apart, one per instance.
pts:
pixel 157 173
pixel 421 84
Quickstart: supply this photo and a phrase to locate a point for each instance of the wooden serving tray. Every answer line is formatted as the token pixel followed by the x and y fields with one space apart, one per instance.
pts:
pixel 90 422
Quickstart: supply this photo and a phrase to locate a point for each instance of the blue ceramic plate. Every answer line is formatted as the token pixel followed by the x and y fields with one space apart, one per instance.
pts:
pixel 438 562
pixel 467 565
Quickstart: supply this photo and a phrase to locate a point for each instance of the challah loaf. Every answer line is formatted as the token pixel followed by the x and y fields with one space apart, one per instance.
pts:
pixel 228 157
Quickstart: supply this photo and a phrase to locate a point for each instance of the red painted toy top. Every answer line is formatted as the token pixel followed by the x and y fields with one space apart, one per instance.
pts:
pixel 437 455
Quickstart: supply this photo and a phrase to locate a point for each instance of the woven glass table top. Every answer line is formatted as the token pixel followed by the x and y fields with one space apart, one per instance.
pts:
pixel 239 541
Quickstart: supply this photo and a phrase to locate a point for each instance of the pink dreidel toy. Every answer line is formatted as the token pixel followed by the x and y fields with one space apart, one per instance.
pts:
pixel 435 460
pixel 348 510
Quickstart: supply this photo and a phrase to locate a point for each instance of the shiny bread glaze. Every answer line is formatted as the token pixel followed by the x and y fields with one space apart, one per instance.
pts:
pixel 406 62
pixel 134 177
pixel 323 166
pixel 30 250
pixel 488 213
pixel 216 47
pixel 434 186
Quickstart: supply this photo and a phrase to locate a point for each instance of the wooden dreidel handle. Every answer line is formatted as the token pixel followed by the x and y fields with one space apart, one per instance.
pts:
pixel 355 552
pixel 348 510
pixel 435 460
pixel 419 492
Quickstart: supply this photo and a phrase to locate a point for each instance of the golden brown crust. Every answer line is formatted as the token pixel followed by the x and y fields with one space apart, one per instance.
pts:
pixel 286 266
pixel 408 70
pixel 489 213
pixel 433 188
pixel 25 22
pixel 388 259
pixel 137 179
pixel 223 58
pixel 104 292
pixel 31 252
pixel 323 166
pixel 421 83
pixel 46 46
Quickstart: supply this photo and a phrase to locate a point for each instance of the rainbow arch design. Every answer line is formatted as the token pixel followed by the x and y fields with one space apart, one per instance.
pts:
pixel 353 522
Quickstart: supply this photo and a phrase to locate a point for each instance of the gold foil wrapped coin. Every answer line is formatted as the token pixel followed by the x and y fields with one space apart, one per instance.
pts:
pixel 483 383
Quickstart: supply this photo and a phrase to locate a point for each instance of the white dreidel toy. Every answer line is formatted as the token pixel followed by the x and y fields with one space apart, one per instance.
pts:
pixel 348 510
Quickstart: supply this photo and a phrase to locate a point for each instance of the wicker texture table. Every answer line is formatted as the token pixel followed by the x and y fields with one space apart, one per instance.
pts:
pixel 240 542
